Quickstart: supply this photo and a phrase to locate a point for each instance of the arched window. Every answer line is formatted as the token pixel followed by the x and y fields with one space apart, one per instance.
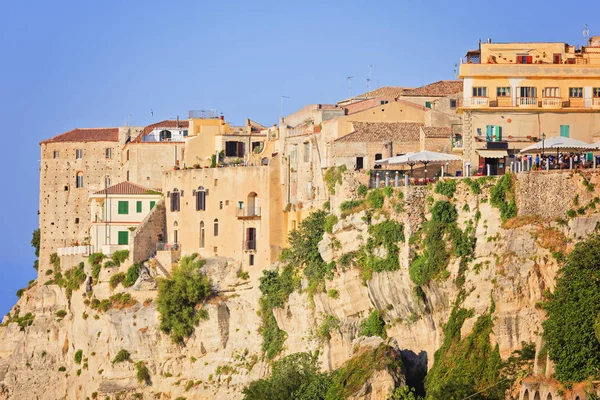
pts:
pixel 79 180
pixel 202 236
pixel 165 135
pixel 216 228
pixel 252 205
pixel 175 233
pixel 549 397
pixel 175 203
pixel 537 396
pixel 201 199
pixel 526 395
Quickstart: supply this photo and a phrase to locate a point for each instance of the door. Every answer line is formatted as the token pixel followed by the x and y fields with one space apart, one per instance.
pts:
pixel 250 238
pixel 359 163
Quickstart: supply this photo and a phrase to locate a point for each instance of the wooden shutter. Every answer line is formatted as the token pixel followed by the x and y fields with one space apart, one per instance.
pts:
pixel 123 207
pixel 564 130
pixel 152 204
pixel 138 207
pixel 488 133
pixel 123 237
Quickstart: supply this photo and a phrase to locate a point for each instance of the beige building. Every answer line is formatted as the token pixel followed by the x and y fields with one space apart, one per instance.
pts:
pixel 116 212
pixel 74 165
pixel 516 92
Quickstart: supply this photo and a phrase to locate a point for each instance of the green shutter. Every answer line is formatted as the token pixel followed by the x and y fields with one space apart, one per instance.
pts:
pixel 428 104
pixel 498 133
pixel 123 237
pixel 123 207
pixel 152 203
pixel 489 129
pixel 138 207
pixel 564 130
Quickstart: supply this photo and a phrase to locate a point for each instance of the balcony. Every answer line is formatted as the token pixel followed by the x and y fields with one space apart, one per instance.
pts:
pixel 480 102
pixel 596 102
pixel 248 212
pixel 552 102
pixel 527 102
pixel 75 251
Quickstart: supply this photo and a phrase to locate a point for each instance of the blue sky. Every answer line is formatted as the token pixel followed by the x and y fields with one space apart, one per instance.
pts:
pixel 69 64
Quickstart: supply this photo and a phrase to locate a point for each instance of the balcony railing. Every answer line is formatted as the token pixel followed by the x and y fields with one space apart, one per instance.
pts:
pixel 75 250
pixel 551 102
pixel 596 102
pixel 248 212
pixel 480 101
pixel 250 245
pixel 530 102
pixel 160 246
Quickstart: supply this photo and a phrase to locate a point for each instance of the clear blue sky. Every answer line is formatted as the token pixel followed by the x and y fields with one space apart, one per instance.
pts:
pixel 69 64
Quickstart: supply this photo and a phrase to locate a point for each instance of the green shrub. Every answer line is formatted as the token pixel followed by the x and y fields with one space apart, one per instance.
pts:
pixel 473 184
pixel 571 213
pixel 375 199
pixel 327 206
pixel 96 271
pixel 35 243
pixel 333 176
pixel 403 393
pixel 350 205
pixel 388 191
pixel 62 369
pixel 122 356
pixel 96 258
pixel 244 275
pixel 142 373
pixel 78 356
pixel 23 322
pixel 330 322
pixel 572 311
pixel 110 264
pixel 179 296
pixel 61 313
pixel 20 292
pixel 446 187
pixel 333 294
pixel 120 256
pixel 362 190
pixel 116 279
pixel 387 234
pixel 132 275
pixel 444 212
pixel 502 197
pixel 330 221
pixel 374 325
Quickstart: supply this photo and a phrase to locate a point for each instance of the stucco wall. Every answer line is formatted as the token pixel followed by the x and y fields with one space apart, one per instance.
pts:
pixel 147 161
pixel 148 233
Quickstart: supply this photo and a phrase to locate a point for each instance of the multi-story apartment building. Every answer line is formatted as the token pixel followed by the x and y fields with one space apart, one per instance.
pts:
pixel 516 93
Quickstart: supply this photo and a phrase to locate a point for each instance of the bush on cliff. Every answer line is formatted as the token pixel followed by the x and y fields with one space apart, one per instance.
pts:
pixel 179 297
pixel 572 311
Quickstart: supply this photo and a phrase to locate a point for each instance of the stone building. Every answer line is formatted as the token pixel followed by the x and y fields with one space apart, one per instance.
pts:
pixel 74 165
pixel 514 93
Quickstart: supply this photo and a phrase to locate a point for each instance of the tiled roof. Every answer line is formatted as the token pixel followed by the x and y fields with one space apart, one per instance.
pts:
pixel 167 124
pixel 437 131
pixel 372 103
pixel 385 91
pixel 124 188
pixel 86 135
pixel 437 89
pixel 256 127
pixel 383 132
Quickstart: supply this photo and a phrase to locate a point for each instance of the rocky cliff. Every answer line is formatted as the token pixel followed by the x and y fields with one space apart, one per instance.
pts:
pixel 61 343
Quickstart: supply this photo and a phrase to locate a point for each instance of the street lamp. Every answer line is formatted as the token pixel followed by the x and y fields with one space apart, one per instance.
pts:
pixel 543 139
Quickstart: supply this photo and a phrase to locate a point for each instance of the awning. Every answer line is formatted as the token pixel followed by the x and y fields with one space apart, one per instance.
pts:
pixel 492 153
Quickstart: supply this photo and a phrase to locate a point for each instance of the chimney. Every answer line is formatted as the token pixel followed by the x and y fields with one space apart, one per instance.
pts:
pixel 178 121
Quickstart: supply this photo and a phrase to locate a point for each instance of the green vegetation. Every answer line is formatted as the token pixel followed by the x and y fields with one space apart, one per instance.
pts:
pixel 61 313
pixel 179 296
pixel 330 322
pixel 244 275
pixel 386 234
pixel 333 176
pixel 375 199
pixel 95 261
pixel 142 372
pixel 333 294
pixel 132 275
pixel 573 309
pixel 78 356
pixel 362 190
pixel 502 197
pixel 120 256
pixel 62 369
pixel 276 289
pixel 35 243
pixel 122 355
pixel 116 279
pixel 473 184
pixel 23 322
pixel 446 187
pixel 330 221
pixel 403 393
pixel 118 301
pixel 388 191
pixel 374 325
pixel 351 206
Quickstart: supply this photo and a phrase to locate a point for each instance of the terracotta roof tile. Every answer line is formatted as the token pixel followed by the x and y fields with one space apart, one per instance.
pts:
pixel 383 132
pixel 168 123
pixel 437 131
pixel 437 89
pixel 124 188
pixel 86 135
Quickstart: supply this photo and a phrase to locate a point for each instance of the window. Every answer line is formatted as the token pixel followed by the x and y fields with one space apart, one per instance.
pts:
pixel 234 149
pixel 524 59
pixel 596 92
pixel 428 104
pixel 123 207
pixel 127 155
pixel 152 204
pixel 453 103
pixel 215 182
pixel 127 176
pixel 251 260
pixel 76 220
pixel 123 237
pixel 175 200
pixel 56 154
pixel 527 91
pixel 382 103
pixel 359 163
pixel 557 58
pixel 503 91
pixel 240 205
pixel 307 152
pixel 78 153
pixel 185 132
pixel 79 180
pixel 216 228
pixel 221 205
pixel 479 91
pixel 202 234
pixel 107 181
pixel 565 130
pixel 201 199
pixel 493 133
pixel 164 135
pixel 576 92
pixel 250 238
pixel 138 207
pixel 378 156
pixel 108 152
pixel 551 92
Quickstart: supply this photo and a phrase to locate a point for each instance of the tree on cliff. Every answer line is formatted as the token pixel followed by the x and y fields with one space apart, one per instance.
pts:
pixel 35 243
pixel 572 312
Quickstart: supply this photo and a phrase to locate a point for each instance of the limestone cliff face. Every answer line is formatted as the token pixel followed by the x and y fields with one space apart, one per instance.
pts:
pixel 513 264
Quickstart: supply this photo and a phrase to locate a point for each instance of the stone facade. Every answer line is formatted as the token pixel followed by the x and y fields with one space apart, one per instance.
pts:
pixel 148 233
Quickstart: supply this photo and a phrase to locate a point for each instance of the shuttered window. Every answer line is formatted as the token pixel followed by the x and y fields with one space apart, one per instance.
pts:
pixel 123 237
pixel 123 207
pixel 138 206
pixel 565 130
pixel 152 204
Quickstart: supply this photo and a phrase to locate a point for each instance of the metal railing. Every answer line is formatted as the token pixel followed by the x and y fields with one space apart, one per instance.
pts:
pixel 595 101
pixel 480 101
pixel 551 102
pixel 160 246
pixel 248 212
pixel 75 250
pixel 527 101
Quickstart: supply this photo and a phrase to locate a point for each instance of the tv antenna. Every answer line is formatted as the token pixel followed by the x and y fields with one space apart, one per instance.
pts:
pixel 370 78
pixel 151 112
pixel 455 71
pixel 350 86
pixel 586 34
